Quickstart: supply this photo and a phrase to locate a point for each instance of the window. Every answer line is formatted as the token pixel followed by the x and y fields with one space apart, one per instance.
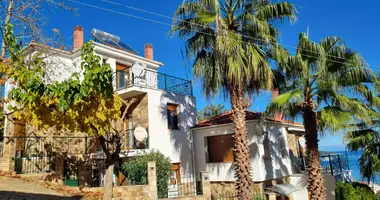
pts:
pixel 122 76
pixel 172 115
pixel 220 148
pixel 266 147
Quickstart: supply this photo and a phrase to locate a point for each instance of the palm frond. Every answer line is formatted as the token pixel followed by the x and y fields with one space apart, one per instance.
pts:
pixel 333 118
pixel 278 11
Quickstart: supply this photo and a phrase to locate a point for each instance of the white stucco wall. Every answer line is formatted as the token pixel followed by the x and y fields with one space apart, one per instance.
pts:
pixel 176 144
pixel 300 181
pixel 262 169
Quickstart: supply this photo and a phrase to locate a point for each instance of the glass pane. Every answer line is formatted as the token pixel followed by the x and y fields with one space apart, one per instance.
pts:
pixel 121 79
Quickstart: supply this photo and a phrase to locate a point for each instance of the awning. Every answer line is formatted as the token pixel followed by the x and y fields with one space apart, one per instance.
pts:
pixel 284 189
pixel 296 129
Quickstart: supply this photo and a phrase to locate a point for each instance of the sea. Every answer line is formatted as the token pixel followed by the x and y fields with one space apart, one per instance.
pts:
pixel 353 162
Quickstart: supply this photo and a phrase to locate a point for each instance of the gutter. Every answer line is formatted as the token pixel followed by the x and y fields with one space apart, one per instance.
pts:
pixel 253 120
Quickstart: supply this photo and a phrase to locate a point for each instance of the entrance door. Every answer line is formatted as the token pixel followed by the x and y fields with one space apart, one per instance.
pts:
pixel 175 179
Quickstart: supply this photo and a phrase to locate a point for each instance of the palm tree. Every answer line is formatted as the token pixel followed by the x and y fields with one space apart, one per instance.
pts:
pixel 368 140
pixel 318 84
pixel 227 42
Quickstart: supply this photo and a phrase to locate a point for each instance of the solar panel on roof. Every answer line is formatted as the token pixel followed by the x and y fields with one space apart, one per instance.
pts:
pixel 110 40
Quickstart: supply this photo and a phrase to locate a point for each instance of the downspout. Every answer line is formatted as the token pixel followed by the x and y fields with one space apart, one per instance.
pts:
pixel 193 157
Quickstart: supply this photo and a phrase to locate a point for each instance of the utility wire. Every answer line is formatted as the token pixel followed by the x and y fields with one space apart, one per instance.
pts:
pixel 201 25
pixel 170 25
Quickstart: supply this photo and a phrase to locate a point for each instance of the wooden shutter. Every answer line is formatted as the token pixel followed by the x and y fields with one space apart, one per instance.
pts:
pixel 175 169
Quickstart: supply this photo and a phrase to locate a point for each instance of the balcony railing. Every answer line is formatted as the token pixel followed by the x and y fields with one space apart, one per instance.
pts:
pixel 330 163
pixel 133 76
pixel 129 141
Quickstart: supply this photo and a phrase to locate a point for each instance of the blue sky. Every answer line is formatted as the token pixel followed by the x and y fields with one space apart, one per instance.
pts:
pixel 357 23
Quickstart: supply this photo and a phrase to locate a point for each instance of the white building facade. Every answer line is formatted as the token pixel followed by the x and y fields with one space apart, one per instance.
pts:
pixel 273 146
pixel 165 106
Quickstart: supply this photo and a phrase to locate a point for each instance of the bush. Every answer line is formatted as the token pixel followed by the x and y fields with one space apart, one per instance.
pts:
pixel 353 191
pixel 136 171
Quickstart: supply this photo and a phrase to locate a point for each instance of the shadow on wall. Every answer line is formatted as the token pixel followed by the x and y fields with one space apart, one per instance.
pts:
pixel 253 152
pixel 181 139
pixel 275 166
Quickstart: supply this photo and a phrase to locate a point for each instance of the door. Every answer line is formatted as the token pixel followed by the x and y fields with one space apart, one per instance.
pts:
pixel 122 76
pixel 175 179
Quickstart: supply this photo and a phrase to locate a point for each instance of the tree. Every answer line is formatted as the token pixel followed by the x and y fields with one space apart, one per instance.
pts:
pixel 227 43
pixel 367 140
pixel 354 191
pixel 84 102
pixel 319 84
pixel 137 173
pixel 28 18
pixel 211 111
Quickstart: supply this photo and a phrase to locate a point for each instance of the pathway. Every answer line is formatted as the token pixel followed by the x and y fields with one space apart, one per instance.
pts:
pixel 14 189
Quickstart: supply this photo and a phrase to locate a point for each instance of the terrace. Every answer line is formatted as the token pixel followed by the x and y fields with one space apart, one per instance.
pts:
pixel 333 164
pixel 140 76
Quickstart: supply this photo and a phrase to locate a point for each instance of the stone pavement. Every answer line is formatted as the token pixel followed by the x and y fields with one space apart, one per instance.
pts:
pixel 14 189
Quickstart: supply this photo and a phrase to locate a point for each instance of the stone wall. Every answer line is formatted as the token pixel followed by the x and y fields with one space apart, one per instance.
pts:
pixel 140 192
pixel 220 188
pixel 139 111
pixel 292 144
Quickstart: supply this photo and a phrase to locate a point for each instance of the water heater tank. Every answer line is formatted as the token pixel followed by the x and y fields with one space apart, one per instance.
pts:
pixel 104 36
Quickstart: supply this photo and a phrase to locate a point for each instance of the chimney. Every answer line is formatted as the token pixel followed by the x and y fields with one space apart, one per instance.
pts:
pixel 78 37
pixel 148 51
pixel 277 115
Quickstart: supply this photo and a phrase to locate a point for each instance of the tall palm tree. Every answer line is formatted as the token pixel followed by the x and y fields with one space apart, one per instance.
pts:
pixel 318 84
pixel 227 42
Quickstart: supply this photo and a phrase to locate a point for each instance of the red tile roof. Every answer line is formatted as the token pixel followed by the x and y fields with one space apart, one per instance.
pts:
pixel 226 118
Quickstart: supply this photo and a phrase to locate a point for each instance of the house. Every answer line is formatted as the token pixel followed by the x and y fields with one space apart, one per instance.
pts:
pixel 163 112
pixel 273 144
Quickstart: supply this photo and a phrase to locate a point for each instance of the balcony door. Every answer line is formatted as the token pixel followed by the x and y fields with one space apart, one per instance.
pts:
pixel 127 128
pixel 122 76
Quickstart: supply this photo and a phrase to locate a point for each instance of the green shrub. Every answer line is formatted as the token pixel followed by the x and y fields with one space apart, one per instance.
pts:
pixel 353 191
pixel 136 171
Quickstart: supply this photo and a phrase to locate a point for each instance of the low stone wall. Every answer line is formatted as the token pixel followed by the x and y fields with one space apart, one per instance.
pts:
pixel 199 197
pixel 131 192
pixel 220 188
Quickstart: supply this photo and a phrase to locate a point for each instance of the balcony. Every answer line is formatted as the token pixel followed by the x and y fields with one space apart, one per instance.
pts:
pixel 146 78
pixel 333 164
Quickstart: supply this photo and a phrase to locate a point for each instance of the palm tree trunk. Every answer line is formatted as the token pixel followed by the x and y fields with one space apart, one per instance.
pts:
pixel 243 183
pixel 315 186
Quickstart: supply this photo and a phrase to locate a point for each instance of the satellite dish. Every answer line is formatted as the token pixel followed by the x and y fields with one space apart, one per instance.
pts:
pixel 140 134
pixel 138 69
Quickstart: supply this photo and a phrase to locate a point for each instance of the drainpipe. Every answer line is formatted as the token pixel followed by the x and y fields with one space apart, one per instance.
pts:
pixel 192 155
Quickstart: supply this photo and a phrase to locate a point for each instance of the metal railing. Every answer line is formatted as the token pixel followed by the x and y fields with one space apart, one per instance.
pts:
pixel 182 187
pixel 129 142
pixel 33 164
pixel 334 163
pixel 132 76
pixel 330 163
